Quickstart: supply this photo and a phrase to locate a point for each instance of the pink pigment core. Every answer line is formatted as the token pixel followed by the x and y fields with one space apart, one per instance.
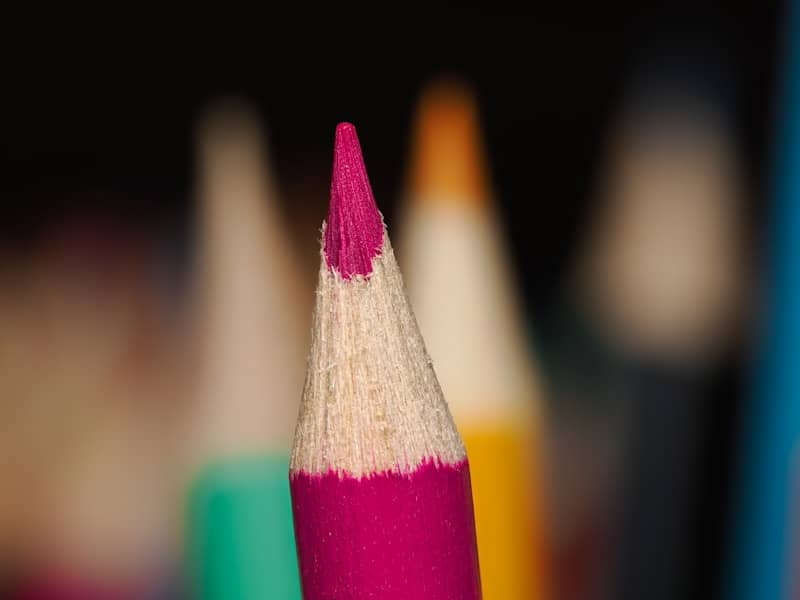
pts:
pixel 354 231
pixel 391 536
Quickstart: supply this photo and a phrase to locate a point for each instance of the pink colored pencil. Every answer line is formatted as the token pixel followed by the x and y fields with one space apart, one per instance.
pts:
pixel 379 476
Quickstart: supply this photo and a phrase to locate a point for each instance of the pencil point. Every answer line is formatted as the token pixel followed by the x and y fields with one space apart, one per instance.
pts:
pixel 354 231
pixel 447 159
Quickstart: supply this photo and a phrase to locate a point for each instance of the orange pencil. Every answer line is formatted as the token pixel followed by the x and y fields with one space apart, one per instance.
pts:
pixel 463 293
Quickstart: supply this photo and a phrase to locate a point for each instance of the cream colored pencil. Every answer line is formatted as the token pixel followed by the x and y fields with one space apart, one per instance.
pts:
pixel 660 280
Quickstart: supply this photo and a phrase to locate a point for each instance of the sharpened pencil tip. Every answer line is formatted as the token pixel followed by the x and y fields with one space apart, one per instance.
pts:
pixel 344 128
pixel 447 162
pixel 354 231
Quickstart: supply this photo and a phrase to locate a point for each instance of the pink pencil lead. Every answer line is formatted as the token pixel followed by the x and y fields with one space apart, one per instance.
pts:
pixel 354 231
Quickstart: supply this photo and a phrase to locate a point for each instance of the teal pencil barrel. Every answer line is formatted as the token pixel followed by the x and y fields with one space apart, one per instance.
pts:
pixel 240 538
pixel 764 553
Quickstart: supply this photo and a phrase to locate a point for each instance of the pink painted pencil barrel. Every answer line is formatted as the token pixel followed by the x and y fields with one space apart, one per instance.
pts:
pixel 387 536
pixel 379 476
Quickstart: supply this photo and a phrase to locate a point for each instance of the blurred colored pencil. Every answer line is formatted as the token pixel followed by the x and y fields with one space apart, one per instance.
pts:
pixel 665 276
pixel 94 439
pixel 379 476
pixel 769 502
pixel 240 539
pixel 653 310
pixel 459 284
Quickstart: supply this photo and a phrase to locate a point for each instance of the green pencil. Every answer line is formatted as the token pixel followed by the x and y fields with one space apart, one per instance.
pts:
pixel 240 542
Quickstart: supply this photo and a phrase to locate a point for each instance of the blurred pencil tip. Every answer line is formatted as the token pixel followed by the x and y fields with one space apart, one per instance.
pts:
pixel 448 162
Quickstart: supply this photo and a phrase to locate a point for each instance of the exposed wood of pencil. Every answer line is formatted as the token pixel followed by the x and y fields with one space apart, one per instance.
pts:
pixel 250 374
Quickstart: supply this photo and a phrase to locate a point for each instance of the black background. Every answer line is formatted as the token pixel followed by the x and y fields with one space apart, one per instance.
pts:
pixel 105 120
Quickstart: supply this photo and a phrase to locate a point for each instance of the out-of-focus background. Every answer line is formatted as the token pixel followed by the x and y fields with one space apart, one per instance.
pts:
pixel 630 162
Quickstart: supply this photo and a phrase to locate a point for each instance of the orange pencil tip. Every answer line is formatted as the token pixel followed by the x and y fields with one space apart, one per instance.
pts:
pixel 447 160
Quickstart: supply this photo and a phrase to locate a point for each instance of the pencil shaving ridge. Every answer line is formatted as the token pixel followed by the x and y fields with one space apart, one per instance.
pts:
pixel 371 401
